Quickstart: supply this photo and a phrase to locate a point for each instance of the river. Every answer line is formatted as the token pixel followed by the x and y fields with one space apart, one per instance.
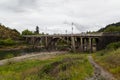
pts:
pixel 13 53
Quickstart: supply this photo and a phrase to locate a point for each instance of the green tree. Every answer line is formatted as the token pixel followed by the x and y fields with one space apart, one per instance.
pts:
pixel 115 27
pixel 37 30
pixel 27 32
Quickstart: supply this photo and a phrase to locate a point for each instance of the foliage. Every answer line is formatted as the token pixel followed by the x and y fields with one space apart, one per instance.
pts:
pixel 114 45
pixel 60 67
pixel 7 42
pixel 9 55
pixel 27 32
pixel 69 68
pixel 115 27
pixel 37 30
pixel 110 61
pixel 112 29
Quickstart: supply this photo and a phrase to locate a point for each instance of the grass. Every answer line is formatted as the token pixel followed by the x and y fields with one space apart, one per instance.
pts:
pixel 110 60
pixel 60 67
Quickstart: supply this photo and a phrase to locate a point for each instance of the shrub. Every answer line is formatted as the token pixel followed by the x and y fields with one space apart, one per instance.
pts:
pixel 7 42
pixel 27 32
pixel 1 42
pixel 9 55
pixel 114 45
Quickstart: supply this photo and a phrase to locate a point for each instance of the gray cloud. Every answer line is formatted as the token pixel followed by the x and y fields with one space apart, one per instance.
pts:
pixel 89 14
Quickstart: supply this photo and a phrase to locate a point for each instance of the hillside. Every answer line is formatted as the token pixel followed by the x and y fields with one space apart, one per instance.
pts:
pixel 115 27
pixel 6 33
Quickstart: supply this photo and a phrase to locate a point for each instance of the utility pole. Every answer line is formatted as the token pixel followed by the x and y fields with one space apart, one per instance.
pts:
pixel 66 31
pixel 46 30
pixel 72 27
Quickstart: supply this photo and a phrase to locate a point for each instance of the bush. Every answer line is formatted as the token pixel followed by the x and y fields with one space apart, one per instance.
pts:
pixel 27 32
pixel 1 42
pixel 9 56
pixel 114 45
pixel 7 42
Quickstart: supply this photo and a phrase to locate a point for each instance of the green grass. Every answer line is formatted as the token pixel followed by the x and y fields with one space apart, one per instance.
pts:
pixel 60 67
pixel 110 60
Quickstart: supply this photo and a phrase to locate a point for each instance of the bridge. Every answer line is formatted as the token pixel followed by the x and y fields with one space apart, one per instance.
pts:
pixel 75 42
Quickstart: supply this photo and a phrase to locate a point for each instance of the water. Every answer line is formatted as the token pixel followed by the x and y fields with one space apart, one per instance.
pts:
pixel 13 53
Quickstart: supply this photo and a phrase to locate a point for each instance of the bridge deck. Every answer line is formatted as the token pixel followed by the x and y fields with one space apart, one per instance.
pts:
pixel 76 35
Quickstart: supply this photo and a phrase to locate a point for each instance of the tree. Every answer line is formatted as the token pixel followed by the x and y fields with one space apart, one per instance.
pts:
pixel 37 30
pixel 27 32
pixel 115 27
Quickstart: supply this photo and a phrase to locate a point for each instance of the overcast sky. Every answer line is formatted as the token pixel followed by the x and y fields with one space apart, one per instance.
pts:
pixel 56 16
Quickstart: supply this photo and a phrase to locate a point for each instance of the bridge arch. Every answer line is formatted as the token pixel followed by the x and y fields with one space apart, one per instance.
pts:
pixel 56 42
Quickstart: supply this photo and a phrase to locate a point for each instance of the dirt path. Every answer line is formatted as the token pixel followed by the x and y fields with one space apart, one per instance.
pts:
pixel 41 55
pixel 99 72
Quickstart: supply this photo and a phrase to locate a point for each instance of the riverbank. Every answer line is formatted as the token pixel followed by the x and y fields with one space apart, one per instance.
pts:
pixel 9 52
pixel 15 47
pixel 34 55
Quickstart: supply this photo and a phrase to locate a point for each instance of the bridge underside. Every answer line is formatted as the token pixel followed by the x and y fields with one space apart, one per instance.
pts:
pixel 72 43
pixel 75 44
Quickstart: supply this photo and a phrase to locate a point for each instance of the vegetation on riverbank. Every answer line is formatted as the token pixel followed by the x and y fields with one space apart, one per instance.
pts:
pixel 115 27
pixel 60 67
pixel 17 51
pixel 110 59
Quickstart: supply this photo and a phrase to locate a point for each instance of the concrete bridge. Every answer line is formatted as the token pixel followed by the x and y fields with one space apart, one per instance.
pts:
pixel 76 42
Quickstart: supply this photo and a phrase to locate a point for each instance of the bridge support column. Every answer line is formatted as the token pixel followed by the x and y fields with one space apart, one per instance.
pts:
pixel 46 42
pixel 33 41
pixel 73 43
pixel 82 44
pixel 36 42
pixel 97 44
pixel 77 43
pixel 90 45
pixel 27 40
pixel 67 39
pixel 87 45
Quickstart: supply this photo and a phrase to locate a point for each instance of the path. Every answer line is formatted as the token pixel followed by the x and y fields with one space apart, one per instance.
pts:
pixel 99 72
